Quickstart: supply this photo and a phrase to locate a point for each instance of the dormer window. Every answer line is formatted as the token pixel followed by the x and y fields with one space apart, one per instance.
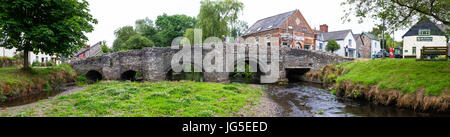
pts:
pixel 424 32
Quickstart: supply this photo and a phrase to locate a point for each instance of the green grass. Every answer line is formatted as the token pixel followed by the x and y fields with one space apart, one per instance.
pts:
pixel 406 75
pixel 14 81
pixel 150 99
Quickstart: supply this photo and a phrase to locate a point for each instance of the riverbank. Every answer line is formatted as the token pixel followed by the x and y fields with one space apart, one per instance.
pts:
pixel 147 99
pixel 16 83
pixel 406 83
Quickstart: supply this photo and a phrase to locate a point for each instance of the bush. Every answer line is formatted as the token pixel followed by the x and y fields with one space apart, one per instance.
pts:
pixel 36 63
pixel 6 61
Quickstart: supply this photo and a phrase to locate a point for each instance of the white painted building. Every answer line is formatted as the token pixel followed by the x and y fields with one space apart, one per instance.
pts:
pixel 32 57
pixel 375 46
pixel 423 34
pixel 344 38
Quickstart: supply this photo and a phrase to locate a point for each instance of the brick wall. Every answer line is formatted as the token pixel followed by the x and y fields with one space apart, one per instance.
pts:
pixel 366 45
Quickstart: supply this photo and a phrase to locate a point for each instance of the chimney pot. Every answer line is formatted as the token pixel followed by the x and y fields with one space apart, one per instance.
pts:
pixel 324 28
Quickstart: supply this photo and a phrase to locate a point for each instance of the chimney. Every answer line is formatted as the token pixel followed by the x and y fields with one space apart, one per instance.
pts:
pixel 324 28
pixel 88 46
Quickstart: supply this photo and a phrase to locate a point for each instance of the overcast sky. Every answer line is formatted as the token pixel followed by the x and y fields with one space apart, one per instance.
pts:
pixel 112 14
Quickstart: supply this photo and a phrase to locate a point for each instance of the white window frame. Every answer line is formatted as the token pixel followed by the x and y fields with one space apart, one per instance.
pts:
pixel 424 32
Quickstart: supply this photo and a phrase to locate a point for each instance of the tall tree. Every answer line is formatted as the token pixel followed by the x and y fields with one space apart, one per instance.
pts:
pixel 105 48
pixel 137 42
pixel 145 27
pixel 238 28
pixel 122 35
pixel 332 46
pixel 216 16
pixel 398 14
pixel 46 26
pixel 170 27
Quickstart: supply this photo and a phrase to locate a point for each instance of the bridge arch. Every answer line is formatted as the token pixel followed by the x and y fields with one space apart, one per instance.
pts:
pixel 255 77
pixel 94 75
pixel 129 75
pixel 194 76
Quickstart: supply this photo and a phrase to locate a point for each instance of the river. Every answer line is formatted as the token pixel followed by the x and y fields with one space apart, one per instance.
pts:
pixel 311 100
pixel 299 99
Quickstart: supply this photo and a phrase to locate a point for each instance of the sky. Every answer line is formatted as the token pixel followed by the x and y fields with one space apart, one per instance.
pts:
pixel 113 14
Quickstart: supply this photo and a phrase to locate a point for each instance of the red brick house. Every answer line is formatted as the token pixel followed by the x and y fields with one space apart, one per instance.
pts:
pixel 291 28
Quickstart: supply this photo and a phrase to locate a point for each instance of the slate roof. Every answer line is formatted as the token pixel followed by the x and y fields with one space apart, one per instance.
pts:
pixel 425 24
pixel 83 50
pixel 356 36
pixel 336 35
pixel 443 27
pixel 269 23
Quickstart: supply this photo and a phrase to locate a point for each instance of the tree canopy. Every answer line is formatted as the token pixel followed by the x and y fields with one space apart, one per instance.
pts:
pixel 216 17
pixel 398 14
pixel 170 27
pixel 138 42
pixel 332 46
pixel 161 33
pixel 46 26
pixel 122 35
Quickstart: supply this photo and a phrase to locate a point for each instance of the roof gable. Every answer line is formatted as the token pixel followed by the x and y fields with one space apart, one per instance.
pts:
pixel 370 36
pixel 424 24
pixel 356 36
pixel 270 23
pixel 336 35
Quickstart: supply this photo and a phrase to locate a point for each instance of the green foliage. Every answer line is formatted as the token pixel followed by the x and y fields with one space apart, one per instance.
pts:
pixel 105 48
pixel 15 81
pixel 137 42
pixel 216 16
pixel 145 27
pixel 122 35
pixel 405 75
pixel 189 35
pixel 332 46
pixel 245 74
pixel 171 27
pixel 46 26
pixel 398 14
pixel 238 28
pixel 152 99
pixel 161 34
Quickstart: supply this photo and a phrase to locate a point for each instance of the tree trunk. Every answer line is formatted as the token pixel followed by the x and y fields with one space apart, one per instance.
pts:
pixel 26 58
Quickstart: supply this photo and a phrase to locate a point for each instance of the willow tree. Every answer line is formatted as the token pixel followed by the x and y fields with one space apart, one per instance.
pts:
pixel 398 14
pixel 45 26
pixel 216 17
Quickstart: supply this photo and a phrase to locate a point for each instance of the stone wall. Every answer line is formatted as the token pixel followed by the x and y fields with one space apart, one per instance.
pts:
pixel 154 63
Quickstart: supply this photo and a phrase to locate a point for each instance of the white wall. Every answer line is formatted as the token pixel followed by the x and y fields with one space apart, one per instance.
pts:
pixel 375 47
pixel 344 43
pixel 411 41
pixel 318 45
pixel 32 57
pixel 7 52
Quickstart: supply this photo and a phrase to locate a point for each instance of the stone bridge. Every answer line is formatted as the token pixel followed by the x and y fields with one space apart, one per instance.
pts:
pixel 154 64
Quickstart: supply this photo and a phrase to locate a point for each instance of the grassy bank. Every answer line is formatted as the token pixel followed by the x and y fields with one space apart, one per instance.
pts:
pixel 15 82
pixel 404 83
pixel 149 99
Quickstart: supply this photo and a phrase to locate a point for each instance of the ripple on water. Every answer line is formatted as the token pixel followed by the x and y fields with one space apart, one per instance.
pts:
pixel 309 100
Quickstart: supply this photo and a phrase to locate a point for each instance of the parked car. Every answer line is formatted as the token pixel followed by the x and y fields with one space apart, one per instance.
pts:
pixel 380 54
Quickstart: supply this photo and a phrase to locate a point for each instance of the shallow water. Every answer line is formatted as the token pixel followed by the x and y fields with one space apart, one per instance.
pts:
pixel 35 97
pixel 310 100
